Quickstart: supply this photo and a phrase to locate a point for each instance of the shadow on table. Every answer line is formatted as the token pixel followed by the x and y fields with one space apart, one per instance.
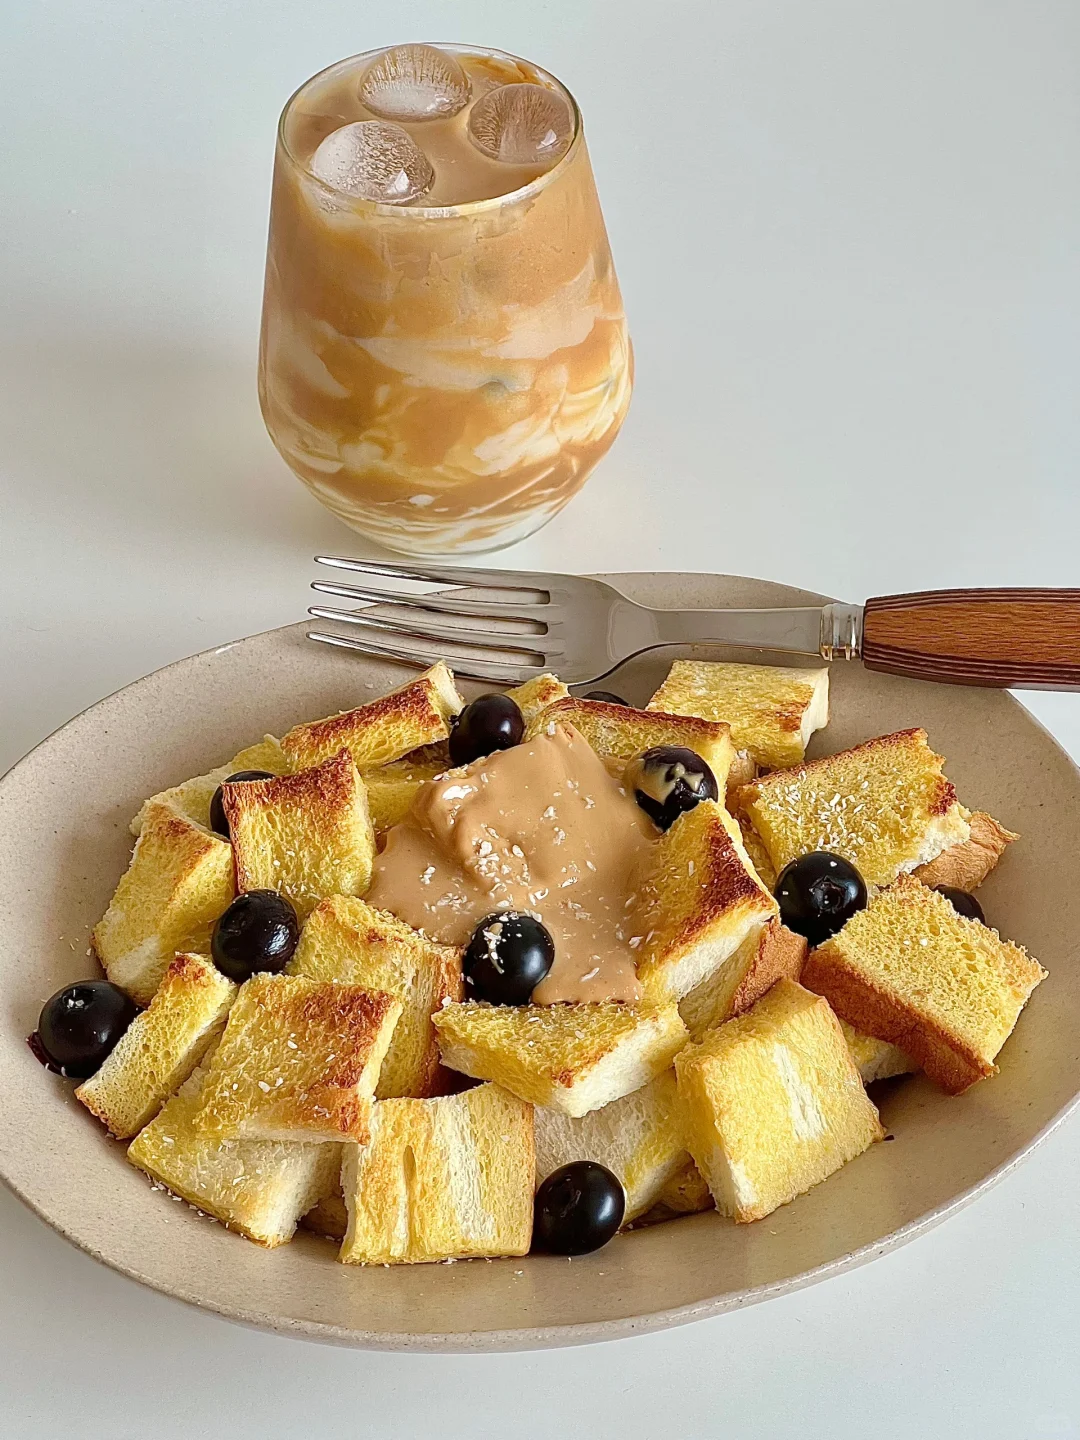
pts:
pixel 161 443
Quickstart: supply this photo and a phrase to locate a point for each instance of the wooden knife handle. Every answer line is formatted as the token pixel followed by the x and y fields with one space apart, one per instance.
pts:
pixel 1028 639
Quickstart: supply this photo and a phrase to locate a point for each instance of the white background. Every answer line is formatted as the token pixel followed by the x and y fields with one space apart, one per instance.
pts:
pixel 847 235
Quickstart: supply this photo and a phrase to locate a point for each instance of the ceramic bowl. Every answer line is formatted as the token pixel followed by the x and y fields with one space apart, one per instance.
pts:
pixel 64 842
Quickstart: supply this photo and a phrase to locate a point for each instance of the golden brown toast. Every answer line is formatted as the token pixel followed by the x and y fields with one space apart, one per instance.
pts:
pixel 536 694
pixel 911 971
pixel 192 798
pixel 307 835
pixel 347 940
pixel 299 1060
pixel 686 1193
pixel 966 866
pixel 259 1188
pixel 876 1059
pixel 161 1046
pixel 415 714
pixel 441 1179
pixel 573 1058
pixel 641 1138
pixel 392 788
pixel 884 805
pixel 769 953
pixel 618 732
pixel 775 1103
pixel 755 848
pixel 772 711
pixel 179 882
pixel 697 902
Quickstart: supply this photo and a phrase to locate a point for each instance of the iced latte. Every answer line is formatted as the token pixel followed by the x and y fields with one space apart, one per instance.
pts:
pixel 444 353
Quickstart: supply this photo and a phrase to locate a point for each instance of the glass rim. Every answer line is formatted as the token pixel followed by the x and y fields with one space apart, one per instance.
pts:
pixel 429 212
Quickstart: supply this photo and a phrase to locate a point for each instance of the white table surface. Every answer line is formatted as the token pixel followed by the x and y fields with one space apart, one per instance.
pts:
pixel 847 235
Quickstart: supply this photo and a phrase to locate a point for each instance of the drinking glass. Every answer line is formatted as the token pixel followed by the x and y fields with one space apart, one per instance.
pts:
pixel 442 376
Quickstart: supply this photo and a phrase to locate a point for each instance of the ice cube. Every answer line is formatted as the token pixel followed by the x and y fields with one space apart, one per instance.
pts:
pixel 414 82
pixel 374 161
pixel 521 124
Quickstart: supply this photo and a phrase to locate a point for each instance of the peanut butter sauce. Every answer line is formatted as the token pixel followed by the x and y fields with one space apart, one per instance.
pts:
pixel 542 828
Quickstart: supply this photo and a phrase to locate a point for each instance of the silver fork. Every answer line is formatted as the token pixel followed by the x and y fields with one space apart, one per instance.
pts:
pixel 530 622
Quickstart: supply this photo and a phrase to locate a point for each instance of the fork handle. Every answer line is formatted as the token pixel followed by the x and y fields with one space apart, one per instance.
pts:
pixel 1028 639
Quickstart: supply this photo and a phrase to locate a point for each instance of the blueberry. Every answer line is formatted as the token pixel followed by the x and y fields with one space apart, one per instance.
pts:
pixel 669 780
pixel 608 697
pixel 493 722
pixel 79 1027
pixel 218 823
pixel 818 893
pixel 578 1208
pixel 258 931
pixel 963 902
pixel 507 957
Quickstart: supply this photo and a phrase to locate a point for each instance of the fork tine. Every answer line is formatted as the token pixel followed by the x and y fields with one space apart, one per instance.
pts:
pixel 483 670
pixel 517 641
pixel 440 604
pixel 442 574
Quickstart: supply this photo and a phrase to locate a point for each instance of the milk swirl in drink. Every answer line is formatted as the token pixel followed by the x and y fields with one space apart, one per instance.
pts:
pixel 444 352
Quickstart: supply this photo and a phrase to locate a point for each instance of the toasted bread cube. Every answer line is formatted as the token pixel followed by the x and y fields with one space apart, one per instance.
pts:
pixel 299 1060
pixel 572 1057
pixel 699 899
pixel 179 882
pixel 686 1193
pixel 743 769
pixel 770 953
pixel 885 806
pixel 329 1217
pixel 257 1187
pixel 772 711
pixel 966 866
pixel 161 1046
pixel 413 715
pixel 441 1180
pixel 618 732
pixel 536 694
pixel 640 1138
pixel 775 1103
pixel 392 788
pixel 755 849
pixel 308 835
pixel 911 971
pixel 192 798
pixel 347 940
pixel 876 1059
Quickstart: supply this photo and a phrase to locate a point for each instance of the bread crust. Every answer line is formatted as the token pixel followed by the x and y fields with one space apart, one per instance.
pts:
pixel 257 1188
pixel 966 866
pixel 780 955
pixel 161 1047
pixel 698 902
pixel 775 1103
pixel 772 711
pixel 442 1179
pixel 413 715
pixel 945 1058
pixel 348 941
pixel 308 834
pixel 299 1060
pixel 619 732
pixel 570 1057
pixel 178 883
pixel 906 1017
pixel 900 813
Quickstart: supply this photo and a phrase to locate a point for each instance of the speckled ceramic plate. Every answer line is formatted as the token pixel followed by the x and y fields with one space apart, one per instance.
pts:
pixel 64 842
